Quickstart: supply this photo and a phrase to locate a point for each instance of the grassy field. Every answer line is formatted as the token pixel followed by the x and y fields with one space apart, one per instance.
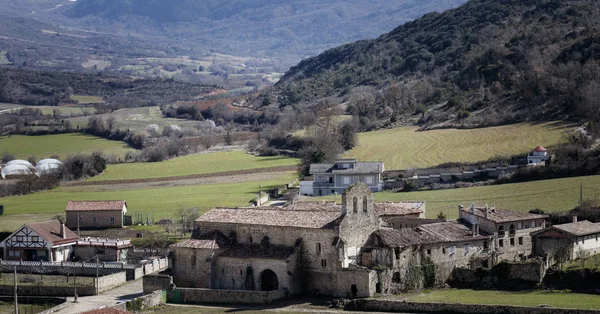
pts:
pixel 87 99
pixel 557 299
pixel 549 195
pixel 47 280
pixel 67 110
pixel 44 146
pixel 5 106
pixel 137 119
pixel 3 58
pixel 192 164
pixel 160 202
pixel 404 147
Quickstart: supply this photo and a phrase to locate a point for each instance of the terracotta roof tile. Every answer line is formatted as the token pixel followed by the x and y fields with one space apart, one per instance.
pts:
pixel 499 215
pixel 95 205
pixel 450 231
pixel 50 231
pixel 272 217
pixel 213 240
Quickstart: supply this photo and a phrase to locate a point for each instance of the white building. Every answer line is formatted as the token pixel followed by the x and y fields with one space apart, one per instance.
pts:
pixel 575 237
pixel 335 178
pixel 538 157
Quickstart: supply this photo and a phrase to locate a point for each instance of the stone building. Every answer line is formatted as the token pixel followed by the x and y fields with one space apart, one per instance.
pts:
pixel 424 256
pixel 95 214
pixel 510 229
pixel 304 247
pixel 573 240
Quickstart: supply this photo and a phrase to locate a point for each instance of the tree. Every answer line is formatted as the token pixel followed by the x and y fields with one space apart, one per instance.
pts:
pixel 186 218
pixel 347 134
pixel 6 157
pixel 441 215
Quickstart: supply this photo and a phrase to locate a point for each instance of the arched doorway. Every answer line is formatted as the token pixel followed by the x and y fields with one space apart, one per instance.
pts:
pixel 268 280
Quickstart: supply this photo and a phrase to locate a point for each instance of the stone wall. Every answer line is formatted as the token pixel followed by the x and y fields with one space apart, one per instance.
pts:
pixel 192 267
pixel 109 282
pixel 505 275
pixel 415 307
pixel 157 282
pixel 189 295
pixel 147 301
pixel 342 283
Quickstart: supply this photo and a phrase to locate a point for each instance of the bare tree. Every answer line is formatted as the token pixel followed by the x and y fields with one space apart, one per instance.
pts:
pixel 186 218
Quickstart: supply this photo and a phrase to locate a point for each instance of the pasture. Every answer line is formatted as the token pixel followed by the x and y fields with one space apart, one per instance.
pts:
pixel 137 119
pixel 404 147
pixel 161 202
pixel 549 195
pixel 192 164
pixel 22 146
pixel 83 100
pixel 559 299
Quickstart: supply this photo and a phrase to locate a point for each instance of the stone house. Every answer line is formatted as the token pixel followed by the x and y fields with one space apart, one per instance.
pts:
pixel 95 214
pixel 424 256
pixel 303 247
pixel 48 241
pixel 510 229
pixel 571 239
pixel 335 178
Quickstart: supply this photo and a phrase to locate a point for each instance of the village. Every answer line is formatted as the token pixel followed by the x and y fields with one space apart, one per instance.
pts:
pixel 345 250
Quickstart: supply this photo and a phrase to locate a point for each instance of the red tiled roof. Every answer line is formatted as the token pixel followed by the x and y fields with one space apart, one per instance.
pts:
pixel 95 206
pixel 272 217
pixel 50 231
pixel 399 209
pixel 540 149
pixel 499 215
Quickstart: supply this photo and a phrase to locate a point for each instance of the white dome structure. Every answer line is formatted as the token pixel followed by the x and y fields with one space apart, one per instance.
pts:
pixel 47 166
pixel 20 162
pixel 15 170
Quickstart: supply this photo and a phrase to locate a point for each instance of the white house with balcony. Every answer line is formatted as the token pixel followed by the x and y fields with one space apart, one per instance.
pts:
pixel 335 178
pixel 538 157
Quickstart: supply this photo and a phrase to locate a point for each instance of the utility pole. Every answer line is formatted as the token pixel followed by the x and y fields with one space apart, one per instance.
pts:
pixel 581 194
pixel 15 287
pixel 97 281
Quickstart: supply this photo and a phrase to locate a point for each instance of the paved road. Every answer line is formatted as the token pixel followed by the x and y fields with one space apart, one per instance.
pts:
pixel 128 291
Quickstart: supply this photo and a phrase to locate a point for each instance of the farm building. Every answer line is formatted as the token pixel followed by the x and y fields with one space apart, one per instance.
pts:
pixel 575 239
pixel 15 171
pixel 48 165
pixel 538 157
pixel 95 214
pixel 107 250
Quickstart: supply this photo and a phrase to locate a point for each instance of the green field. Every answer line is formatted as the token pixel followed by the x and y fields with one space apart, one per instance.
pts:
pixel 192 164
pixel 549 195
pixel 5 106
pixel 160 202
pixel 47 110
pixel 22 146
pixel 404 147
pixel 557 299
pixel 4 58
pixel 87 99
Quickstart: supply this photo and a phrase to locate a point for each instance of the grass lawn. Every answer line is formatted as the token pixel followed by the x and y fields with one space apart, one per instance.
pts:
pixel 403 147
pixel 159 202
pixel 87 99
pixel 549 195
pixel 192 164
pixel 62 145
pixel 557 299
pixel 46 280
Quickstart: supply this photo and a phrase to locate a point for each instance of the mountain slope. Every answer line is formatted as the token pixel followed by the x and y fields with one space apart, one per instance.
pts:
pixel 497 61
pixel 251 27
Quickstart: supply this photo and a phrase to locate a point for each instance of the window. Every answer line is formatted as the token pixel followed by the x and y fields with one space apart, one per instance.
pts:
pixel 512 241
pixel 318 248
pixel 520 225
pixel 346 180
pixel 14 253
pixel 582 240
pixel 355 205
pixel 20 238
pixel 452 250
pixel 467 248
pixel 501 243
pixel 485 245
pixel 511 230
pixel 443 250
pixel 501 231
pixel 428 251
pixel 112 220
pixel 94 219
pixel 526 225
pixel 397 253
pixel 323 263
pixel 35 239
pixel 364 204
pixel 520 240
pixel 250 239
pixel 369 180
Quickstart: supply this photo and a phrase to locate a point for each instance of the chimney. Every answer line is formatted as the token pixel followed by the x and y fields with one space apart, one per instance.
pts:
pixel 574 218
pixel 487 211
pixel 63 233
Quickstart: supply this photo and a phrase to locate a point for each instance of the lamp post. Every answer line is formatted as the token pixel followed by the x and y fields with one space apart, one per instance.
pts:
pixel 15 287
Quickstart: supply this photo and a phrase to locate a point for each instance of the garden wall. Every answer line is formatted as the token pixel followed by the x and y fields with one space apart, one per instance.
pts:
pixel 372 305
pixel 194 295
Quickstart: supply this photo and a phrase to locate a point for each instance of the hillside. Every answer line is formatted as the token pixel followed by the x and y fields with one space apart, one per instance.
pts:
pixel 493 61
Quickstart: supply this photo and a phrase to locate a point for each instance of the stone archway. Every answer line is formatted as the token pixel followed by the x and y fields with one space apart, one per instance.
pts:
pixel 268 280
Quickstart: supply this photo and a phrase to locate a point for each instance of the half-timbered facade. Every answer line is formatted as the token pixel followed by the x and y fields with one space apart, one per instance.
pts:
pixel 41 241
